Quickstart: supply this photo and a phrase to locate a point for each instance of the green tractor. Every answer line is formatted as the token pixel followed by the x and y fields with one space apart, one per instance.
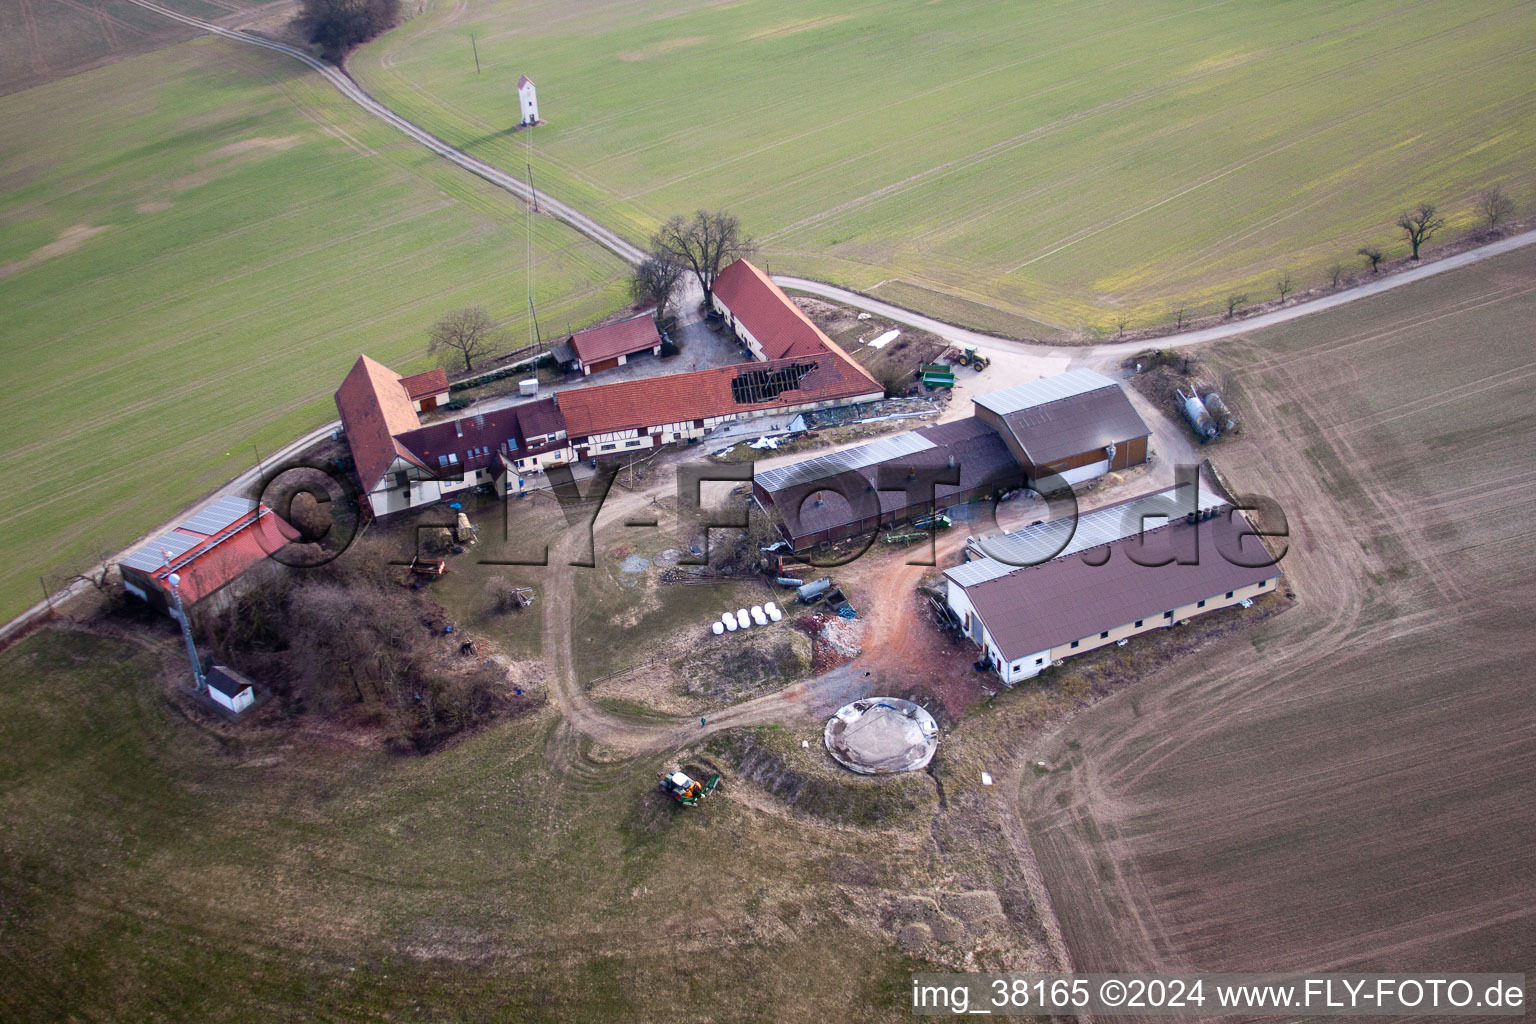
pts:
pixel 685 790
pixel 972 358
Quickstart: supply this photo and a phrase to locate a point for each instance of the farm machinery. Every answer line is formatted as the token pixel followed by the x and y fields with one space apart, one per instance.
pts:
pixel 937 375
pixel 968 357
pixel 684 789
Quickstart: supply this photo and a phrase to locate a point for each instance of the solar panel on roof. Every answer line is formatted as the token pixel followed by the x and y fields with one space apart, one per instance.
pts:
pixel 219 515
pixel 152 555
pixel 1046 389
pixel 824 466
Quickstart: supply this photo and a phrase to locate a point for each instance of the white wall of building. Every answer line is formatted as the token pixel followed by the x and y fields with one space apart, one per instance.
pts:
pixel 1031 665
pixel 239 702
pixel 528 99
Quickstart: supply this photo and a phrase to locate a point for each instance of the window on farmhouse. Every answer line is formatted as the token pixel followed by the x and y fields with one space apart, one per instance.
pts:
pixel 1104 635
pixel 1200 605
pixel 1230 593
pixel 1075 643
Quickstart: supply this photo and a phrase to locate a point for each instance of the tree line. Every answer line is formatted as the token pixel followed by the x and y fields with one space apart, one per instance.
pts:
pixel 1494 207
pixel 337 26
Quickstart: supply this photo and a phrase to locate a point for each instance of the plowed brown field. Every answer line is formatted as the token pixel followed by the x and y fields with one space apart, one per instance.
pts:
pixel 1351 785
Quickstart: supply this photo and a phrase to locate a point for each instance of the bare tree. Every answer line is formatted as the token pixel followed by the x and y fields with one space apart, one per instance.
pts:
pixel 654 281
pixel 339 25
pixel 704 244
pixel 469 334
pixel 1420 226
pixel 1121 325
pixel 1336 274
pixel 1372 253
pixel 1284 285
pixel 1179 315
pixel 1494 205
pixel 1233 301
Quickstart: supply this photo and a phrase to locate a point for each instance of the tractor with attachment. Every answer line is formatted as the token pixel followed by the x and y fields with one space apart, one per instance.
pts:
pixel 685 790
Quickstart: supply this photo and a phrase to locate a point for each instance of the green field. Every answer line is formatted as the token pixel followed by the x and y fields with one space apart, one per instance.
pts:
pixel 195 244
pixel 154 868
pixel 1077 163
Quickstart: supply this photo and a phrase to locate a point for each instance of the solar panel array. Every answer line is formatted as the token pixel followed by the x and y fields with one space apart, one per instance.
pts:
pixel 1006 552
pixel 209 521
pixel 151 556
pixel 824 466
pixel 1046 389
pixel 219 515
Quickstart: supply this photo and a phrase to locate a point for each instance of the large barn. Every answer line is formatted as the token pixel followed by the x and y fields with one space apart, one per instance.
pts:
pixel 1066 587
pixel 1077 425
pixel 860 489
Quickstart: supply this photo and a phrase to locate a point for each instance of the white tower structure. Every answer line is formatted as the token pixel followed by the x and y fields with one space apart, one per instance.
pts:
pixel 528 97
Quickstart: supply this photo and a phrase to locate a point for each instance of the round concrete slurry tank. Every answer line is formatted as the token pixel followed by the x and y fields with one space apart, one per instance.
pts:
pixel 882 736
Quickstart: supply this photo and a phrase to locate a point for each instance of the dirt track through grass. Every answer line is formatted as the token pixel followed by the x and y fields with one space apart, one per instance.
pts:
pixel 1358 774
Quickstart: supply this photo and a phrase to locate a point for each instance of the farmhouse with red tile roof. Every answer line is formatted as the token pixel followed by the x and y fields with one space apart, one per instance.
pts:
pixel 402 465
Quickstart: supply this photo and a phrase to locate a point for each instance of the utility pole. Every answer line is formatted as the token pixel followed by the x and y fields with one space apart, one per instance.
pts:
pixel 186 632
pixel 533 190
pixel 47 597
pixel 477 52
pixel 260 469
pixel 537 336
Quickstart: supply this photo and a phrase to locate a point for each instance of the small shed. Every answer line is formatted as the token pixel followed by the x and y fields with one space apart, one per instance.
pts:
pixel 528 98
pixel 611 345
pixel 427 390
pixel 230 689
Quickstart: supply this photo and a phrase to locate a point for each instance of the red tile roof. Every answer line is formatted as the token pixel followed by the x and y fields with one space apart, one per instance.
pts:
pixel 652 401
pixel 621 338
pixel 374 408
pixel 215 559
pixel 772 317
pixel 525 80
pixel 425 385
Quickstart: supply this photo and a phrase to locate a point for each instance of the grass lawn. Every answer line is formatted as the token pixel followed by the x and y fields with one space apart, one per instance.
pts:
pixel 1063 163
pixel 194 246
pixel 155 868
